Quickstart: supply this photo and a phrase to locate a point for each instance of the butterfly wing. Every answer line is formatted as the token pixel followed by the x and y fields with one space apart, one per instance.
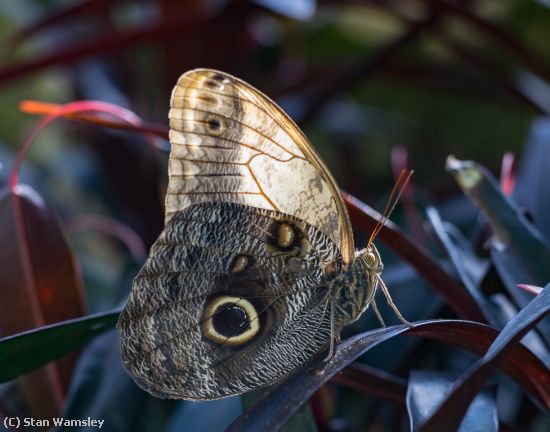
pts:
pixel 214 264
pixel 232 143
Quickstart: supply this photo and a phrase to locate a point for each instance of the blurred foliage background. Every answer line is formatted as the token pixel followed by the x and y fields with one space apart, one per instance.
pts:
pixel 377 85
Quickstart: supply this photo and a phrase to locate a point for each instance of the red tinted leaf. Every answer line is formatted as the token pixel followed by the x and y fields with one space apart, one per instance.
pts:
pixel 73 108
pixel 520 363
pixel 275 407
pixel 456 296
pixel 508 174
pixel 111 42
pixel 41 281
pixel 76 11
pixel 40 278
pixel 530 288
pixel 44 108
pixel 374 382
pixel 450 413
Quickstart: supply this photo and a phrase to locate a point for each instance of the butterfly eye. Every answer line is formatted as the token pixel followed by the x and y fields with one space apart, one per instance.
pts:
pixel 230 320
pixel 216 81
pixel 371 259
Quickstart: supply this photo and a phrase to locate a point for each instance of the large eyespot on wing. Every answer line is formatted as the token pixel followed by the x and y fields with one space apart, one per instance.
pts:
pixel 231 143
pixel 231 298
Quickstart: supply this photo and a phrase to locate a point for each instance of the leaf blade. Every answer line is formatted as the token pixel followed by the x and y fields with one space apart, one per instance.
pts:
pixel 451 411
pixel 34 348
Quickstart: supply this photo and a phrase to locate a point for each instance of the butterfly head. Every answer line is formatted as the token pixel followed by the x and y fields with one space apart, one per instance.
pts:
pixel 370 258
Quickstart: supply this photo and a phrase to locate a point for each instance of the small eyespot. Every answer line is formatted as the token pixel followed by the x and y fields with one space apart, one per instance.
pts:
pixel 214 124
pixel 285 236
pixel 240 263
pixel 209 99
pixel 218 77
pixel 230 320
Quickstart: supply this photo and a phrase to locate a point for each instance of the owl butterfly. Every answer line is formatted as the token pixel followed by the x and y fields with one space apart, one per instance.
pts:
pixel 255 271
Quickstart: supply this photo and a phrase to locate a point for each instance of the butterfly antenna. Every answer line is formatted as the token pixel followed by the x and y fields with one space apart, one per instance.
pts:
pixel 382 220
pixel 396 192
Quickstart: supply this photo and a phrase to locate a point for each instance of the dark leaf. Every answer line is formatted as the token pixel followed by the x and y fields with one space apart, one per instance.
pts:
pixel 102 389
pixel 41 283
pixel 464 262
pixel 450 413
pixel 301 420
pixel 277 404
pixel 533 181
pixel 455 295
pixel 519 251
pixel 207 415
pixel 427 389
pixel 26 351
pixel 373 382
pixel 520 363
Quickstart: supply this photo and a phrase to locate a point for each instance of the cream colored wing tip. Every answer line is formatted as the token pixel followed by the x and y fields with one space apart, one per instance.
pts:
pixel 203 72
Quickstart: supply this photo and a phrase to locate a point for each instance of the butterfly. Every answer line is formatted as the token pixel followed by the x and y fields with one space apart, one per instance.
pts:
pixel 255 272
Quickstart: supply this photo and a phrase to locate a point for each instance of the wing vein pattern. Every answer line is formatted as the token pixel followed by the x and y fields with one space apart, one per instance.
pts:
pixel 231 143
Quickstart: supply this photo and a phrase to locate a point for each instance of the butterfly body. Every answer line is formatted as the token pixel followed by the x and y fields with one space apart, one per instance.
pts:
pixel 354 287
pixel 255 272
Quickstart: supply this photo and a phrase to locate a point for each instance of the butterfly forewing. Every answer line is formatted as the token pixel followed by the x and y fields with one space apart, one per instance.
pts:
pixel 267 260
pixel 231 143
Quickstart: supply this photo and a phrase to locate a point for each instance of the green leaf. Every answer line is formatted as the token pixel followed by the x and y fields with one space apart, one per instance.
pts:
pixel 29 350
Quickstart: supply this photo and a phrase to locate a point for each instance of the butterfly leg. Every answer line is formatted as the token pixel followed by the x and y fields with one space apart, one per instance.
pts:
pixel 377 313
pixel 333 338
pixel 391 303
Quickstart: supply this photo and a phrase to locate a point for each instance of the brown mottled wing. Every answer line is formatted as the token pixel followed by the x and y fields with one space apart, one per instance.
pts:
pixel 232 143
pixel 163 346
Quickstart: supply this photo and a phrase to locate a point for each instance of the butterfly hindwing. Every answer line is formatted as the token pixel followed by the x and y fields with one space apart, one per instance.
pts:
pixel 227 287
